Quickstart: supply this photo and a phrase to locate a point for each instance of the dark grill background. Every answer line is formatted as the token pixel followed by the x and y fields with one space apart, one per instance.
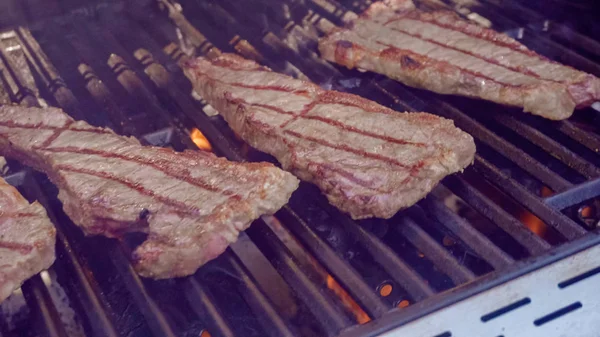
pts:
pixel 116 64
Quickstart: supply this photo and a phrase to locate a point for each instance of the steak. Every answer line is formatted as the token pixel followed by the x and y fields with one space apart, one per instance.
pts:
pixel 370 161
pixel 191 204
pixel 441 52
pixel 27 239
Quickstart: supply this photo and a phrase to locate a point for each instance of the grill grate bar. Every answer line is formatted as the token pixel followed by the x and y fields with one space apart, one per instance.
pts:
pixel 545 142
pixel 463 230
pixel 585 138
pixel 344 273
pixel 523 160
pixel 52 80
pixel 332 321
pixel 85 289
pixel 273 324
pixel 440 257
pixel 533 243
pixel 552 217
pixel 575 195
pixel 39 301
pixel 154 316
pixel 204 305
pixel 399 270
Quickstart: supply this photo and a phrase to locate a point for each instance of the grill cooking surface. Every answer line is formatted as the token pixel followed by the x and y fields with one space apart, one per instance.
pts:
pixel 528 200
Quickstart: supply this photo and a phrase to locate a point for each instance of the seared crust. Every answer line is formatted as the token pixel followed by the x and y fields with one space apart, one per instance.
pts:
pixel 192 205
pixel 370 161
pixel 441 52
pixel 26 242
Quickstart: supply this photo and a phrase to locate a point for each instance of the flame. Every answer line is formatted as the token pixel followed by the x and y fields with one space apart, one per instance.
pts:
pixel 361 316
pixel 200 141
pixel 532 222
pixel 205 333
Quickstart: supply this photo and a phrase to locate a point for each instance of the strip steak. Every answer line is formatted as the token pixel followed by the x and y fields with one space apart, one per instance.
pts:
pixel 192 204
pixel 370 161
pixel 441 52
pixel 27 239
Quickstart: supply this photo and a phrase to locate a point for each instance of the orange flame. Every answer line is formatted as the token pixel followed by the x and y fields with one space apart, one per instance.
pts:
pixel 361 316
pixel 205 333
pixel 532 222
pixel 200 141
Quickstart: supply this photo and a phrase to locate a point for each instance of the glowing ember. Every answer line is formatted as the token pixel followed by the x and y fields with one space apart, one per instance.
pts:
pixel 403 304
pixel 200 141
pixel 587 211
pixel 361 316
pixel 385 290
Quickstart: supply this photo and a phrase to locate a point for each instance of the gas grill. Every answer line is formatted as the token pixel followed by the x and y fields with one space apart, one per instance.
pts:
pixel 509 248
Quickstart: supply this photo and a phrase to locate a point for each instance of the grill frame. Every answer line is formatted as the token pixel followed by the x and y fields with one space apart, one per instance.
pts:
pixel 154 83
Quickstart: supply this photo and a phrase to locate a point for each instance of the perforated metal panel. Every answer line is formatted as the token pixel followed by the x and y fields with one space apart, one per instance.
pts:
pixel 562 299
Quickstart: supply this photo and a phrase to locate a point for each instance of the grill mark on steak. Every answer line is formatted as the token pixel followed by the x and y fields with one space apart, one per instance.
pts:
pixel 351 150
pixel 395 52
pixel 180 207
pixel 363 132
pixel 22 248
pixel 160 165
pixel 40 126
pixel 56 134
pixel 306 110
pixel 479 56
pixel 329 121
pixel 17 215
pixel 269 107
pixel 342 172
pixel 483 35
pixel 325 97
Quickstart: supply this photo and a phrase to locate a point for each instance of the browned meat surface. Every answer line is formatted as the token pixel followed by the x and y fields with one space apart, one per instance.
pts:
pixel 27 239
pixel 370 161
pixel 191 204
pixel 441 52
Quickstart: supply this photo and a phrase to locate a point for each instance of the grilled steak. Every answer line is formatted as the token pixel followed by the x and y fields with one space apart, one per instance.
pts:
pixel 441 52
pixel 191 204
pixel 27 239
pixel 370 161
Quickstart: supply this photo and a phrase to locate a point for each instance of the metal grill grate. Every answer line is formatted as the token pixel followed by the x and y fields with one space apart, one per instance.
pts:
pixel 309 270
